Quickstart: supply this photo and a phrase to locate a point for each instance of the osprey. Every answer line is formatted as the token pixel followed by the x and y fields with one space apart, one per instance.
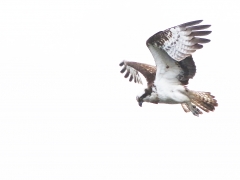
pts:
pixel 166 82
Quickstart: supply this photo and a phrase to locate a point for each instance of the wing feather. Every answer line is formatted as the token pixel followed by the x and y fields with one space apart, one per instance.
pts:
pixel 192 23
pixel 200 27
pixel 180 41
pixel 134 68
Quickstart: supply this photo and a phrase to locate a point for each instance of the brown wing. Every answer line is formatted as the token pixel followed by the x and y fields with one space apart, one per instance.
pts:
pixel 180 41
pixel 132 68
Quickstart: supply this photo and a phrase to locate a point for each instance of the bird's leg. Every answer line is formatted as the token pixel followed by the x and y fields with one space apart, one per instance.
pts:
pixel 194 109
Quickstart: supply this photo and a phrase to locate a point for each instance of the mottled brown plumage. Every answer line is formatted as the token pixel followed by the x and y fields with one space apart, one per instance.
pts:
pixel 148 71
pixel 204 100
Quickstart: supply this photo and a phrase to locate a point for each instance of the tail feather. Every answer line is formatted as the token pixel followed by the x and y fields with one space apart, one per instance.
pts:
pixel 204 100
pixel 204 106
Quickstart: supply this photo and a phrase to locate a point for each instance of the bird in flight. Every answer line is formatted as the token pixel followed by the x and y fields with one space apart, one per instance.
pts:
pixel 166 82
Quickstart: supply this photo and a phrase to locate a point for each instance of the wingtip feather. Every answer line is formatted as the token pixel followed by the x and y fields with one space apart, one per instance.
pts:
pixel 191 23
pixel 121 64
pixel 200 33
pixel 123 69
pixel 199 27
pixel 127 74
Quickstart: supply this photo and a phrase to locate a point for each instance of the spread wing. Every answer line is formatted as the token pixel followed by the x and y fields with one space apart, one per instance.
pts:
pixel 180 41
pixel 187 70
pixel 133 69
pixel 172 51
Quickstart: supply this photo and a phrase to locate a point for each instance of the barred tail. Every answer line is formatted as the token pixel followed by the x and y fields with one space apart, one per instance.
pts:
pixel 204 100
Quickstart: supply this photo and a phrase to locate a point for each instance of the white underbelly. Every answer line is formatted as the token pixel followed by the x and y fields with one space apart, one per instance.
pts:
pixel 172 94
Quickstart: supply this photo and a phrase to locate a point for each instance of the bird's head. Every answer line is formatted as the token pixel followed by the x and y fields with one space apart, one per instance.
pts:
pixel 143 96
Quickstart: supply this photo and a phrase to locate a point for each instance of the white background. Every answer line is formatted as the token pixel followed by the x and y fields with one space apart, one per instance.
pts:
pixel 67 113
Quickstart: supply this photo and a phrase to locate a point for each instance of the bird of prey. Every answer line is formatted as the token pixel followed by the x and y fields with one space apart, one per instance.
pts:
pixel 166 82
